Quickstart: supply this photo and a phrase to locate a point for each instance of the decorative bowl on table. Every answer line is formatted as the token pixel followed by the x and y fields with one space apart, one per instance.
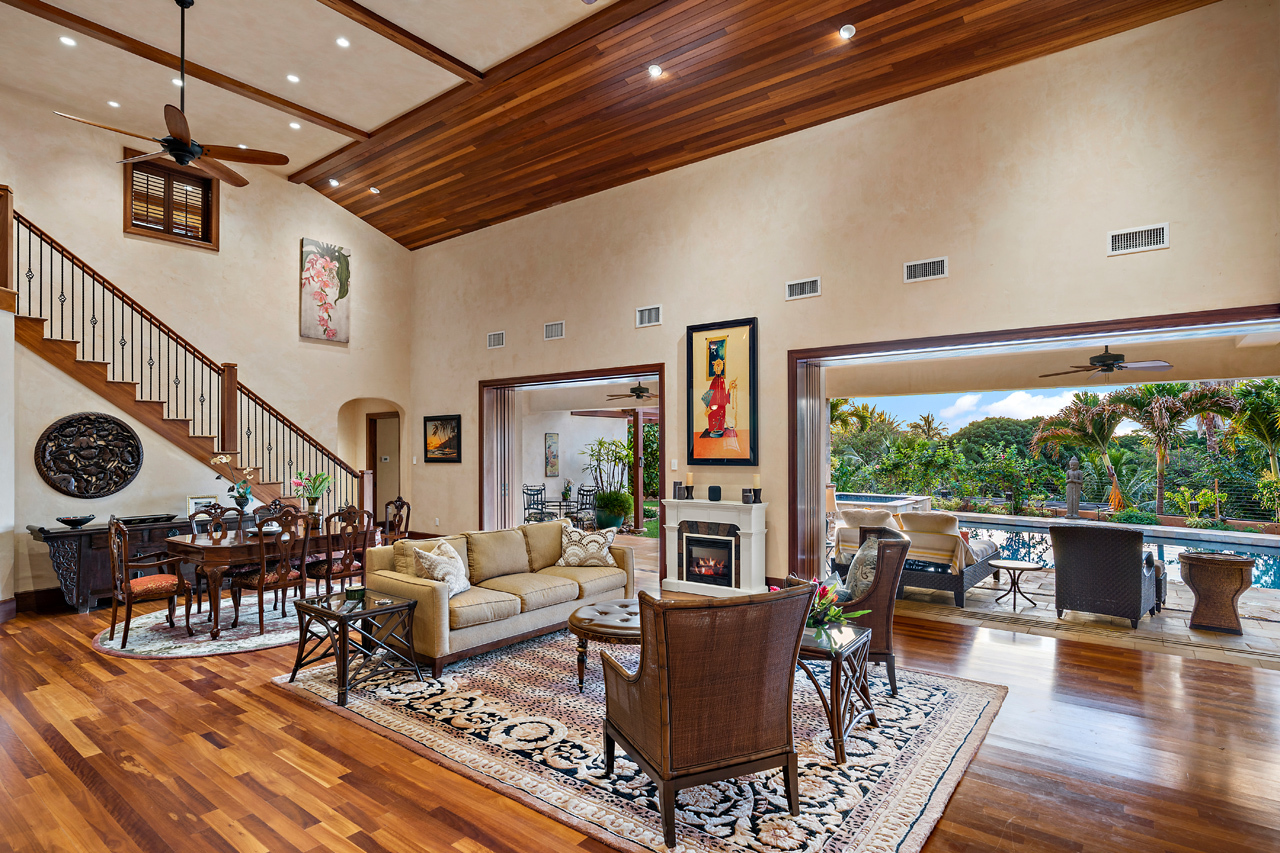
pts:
pixel 75 522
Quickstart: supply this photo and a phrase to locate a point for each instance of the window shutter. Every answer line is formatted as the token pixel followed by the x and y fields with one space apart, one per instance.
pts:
pixel 147 205
pixel 188 209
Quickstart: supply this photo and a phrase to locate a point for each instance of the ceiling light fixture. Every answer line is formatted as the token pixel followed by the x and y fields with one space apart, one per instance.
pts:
pixel 292 78
pixel 343 43
pixel 847 31
pixel 374 190
pixel 112 104
pixel 333 182
pixel 655 70
pixel 295 125
pixel 177 81
pixel 68 41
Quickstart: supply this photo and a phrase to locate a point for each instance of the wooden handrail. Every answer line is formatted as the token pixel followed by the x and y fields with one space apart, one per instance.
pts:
pixel 276 413
pixel 118 293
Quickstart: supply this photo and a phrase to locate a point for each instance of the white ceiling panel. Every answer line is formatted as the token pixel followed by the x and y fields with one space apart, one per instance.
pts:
pixel 482 33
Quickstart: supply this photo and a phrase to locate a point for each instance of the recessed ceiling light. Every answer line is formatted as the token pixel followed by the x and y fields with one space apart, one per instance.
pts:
pixel 847 31
pixel 292 78
pixel 295 125
pixel 177 81
pixel 68 41
pixel 333 182
pixel 374 190
pixel 343 43
pixel 655 70
pixel 242 146
pixel 112 104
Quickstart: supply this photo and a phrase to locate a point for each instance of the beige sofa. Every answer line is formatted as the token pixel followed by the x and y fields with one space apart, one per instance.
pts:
pixel 517 591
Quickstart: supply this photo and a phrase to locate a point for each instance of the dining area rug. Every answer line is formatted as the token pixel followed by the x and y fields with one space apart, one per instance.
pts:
pixel 514 721
pixel 150 636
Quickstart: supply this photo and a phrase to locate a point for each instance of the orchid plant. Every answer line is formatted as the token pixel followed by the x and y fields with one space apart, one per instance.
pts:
pixel 825 610
pixel 312 485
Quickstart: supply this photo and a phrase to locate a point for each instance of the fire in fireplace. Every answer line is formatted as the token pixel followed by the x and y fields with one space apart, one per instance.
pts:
pixel 708 559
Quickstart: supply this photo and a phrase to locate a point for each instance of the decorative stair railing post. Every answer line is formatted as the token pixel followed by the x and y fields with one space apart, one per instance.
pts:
pixel 365 492
pixel 228 432
pixel 8 241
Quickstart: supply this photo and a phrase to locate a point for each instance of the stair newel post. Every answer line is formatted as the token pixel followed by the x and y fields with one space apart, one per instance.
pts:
pixel 364 491
pixel 228 432
pixel 8 247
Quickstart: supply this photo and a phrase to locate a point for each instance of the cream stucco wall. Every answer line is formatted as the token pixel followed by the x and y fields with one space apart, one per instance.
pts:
pixel 1017 176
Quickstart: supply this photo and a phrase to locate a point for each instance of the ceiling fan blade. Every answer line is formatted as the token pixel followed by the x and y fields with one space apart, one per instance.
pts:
pixel 1067 372
pixel 245 155
pixel 1146 365
pixel 106 127
pixel 220 171
pixel 177 124
pixel 142 157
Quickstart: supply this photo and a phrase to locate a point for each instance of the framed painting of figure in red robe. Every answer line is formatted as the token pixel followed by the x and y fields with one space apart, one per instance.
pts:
pixel 721 403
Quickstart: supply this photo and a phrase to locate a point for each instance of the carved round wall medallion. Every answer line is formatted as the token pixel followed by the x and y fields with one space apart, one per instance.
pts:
pixel 88 455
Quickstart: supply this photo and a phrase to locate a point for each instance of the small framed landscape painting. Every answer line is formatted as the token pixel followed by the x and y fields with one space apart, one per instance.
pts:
pixel 199 502
pixel 721 387
pixel 442 438
pixel 325 304
pixel 551 455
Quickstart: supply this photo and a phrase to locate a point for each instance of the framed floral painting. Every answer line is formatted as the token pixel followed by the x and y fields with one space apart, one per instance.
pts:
pixel 325 311
pixel 721 388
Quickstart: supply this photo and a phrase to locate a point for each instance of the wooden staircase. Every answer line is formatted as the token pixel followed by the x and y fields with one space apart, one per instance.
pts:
pixel 95 333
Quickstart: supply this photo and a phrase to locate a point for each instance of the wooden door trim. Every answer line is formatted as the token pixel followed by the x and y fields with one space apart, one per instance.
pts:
pixel 371 447
pixel 1270 311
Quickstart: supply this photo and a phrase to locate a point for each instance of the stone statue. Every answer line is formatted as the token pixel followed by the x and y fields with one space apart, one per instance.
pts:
pixel 1075 485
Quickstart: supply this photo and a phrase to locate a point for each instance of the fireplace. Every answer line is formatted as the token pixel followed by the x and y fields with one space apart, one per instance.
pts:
pixel 709 560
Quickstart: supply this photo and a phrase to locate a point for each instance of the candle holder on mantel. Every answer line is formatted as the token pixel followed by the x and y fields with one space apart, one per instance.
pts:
pixel 748 496
pixel 755 493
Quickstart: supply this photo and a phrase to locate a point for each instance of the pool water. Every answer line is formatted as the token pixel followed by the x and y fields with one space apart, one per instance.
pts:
pixel 848 497
pixel 1035 547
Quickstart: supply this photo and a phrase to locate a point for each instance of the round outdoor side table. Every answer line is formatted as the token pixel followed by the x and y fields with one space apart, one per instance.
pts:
pixel 1015 568
pixel 1218 581
pixel 614 622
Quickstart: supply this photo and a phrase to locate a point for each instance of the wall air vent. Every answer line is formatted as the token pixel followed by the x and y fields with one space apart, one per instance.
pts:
pixel 553 331
pixel 497 340
pixel 650 316
pixel 1138 239
pixel 804 288
pixel 925 270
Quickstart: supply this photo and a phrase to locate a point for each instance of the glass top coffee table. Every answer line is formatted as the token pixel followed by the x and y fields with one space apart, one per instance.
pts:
pixel 849 700
pixel 356 630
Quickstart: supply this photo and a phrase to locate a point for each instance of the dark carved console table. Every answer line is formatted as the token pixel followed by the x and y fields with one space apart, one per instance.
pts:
pixel 82 562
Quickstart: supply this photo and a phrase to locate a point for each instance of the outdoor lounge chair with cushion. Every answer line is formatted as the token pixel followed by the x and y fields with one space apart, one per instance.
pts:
pixel 941 558
pixel 1101 569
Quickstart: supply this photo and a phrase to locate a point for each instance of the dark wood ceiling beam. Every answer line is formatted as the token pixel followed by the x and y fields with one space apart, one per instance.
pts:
pixel 85 27
pixel 392 31
pixel 402 127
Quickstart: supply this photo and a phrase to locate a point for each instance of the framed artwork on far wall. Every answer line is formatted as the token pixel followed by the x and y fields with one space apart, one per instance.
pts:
pixel 551 454
pixel 722 415
pixel 442 438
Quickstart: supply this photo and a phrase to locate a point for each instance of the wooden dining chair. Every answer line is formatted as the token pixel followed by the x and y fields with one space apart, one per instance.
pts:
pixel 168 581
pixel 221 521
pixel 281 571
pixel 396 520
pixel 349 533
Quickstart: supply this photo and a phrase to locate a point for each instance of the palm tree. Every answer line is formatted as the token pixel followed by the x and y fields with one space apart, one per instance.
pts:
pixel 866 414
pixel 841 415
pixel 1161 409
pixel 1257 416
pixel 928 428
pixel 1087 421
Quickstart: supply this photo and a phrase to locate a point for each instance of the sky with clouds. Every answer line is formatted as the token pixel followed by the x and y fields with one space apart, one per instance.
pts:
pixel 957 410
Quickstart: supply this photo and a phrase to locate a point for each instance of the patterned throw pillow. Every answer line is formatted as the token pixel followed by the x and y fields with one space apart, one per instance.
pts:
pixel 443 564
pixel 862 571
pixel 586 548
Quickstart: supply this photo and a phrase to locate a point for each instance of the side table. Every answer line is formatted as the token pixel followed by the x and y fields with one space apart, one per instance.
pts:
pixel 1218 581
pixel 334 626
pixel 846 647
pixel 1015 568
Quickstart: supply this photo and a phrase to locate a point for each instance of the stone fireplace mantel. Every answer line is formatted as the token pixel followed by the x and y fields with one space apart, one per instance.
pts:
pixel 742 522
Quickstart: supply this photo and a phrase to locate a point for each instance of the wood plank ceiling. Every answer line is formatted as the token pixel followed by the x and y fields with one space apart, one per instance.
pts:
pixel 580 113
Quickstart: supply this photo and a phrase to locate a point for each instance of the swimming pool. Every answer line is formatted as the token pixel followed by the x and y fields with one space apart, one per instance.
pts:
pixel 1034 546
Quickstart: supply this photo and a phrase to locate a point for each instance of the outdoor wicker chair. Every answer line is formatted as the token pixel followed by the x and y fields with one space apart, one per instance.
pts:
pixel 1102 570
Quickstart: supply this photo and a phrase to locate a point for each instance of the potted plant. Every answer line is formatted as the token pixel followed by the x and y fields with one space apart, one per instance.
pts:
pixel 607 461
pixel 312 487
pixel 612 508
pixel 567 492
pixel 241 493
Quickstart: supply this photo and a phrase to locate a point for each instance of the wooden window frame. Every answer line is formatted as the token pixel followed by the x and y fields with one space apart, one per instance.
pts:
pixel 177 171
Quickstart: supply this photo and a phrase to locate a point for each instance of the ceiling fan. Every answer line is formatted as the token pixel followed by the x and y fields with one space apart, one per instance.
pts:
pixel 181 147
pixel 1109 362
pixel 639 392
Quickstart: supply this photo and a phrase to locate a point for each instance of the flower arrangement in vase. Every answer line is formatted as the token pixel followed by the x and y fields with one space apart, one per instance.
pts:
pixel 825 611
pixel 241 493
pixel 567 492
pixel 312 487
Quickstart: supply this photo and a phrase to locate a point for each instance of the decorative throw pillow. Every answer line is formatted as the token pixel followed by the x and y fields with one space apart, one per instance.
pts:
pixel 862 571
pixel 586 548
pixel 443 564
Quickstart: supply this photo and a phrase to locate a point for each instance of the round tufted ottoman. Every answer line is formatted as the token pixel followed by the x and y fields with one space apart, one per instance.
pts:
pixel 614 622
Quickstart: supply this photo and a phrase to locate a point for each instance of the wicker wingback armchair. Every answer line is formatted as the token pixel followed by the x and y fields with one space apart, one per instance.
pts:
pixel 891 557
pixel 673 715
pixel 1101 570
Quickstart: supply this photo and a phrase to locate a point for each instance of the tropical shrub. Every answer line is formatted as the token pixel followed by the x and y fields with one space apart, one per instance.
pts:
pixel 614 503
pixel 1131 515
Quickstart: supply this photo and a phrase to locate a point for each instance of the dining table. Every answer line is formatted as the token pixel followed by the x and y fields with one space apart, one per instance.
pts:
pixel 214 555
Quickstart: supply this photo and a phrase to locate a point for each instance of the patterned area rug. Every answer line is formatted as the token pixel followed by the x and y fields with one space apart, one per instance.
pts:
pixel 151 637
pixel 513 720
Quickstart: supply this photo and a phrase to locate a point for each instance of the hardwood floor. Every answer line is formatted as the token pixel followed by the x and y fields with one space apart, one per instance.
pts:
pixel 1095 749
